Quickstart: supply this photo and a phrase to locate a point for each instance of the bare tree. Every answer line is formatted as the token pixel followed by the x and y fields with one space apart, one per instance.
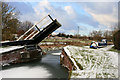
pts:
pixel 24 26
pixel 9 21
pixel 108 34
pixel 97 35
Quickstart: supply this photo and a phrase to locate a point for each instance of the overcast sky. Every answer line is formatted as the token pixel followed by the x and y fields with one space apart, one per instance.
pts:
pixel 88 16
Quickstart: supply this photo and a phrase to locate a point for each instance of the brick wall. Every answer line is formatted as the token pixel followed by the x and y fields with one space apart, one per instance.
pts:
pixel 65 61
pixel 10 57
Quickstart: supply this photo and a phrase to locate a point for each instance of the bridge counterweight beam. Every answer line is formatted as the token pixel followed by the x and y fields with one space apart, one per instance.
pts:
pixel 50 17
pixel 37 27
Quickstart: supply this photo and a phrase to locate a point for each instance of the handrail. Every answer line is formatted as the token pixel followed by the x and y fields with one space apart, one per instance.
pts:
pixel 40 26
pixel 32 27
pixel 29 35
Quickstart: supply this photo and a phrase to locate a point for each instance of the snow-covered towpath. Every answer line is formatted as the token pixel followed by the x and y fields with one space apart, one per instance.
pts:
pixel 96 63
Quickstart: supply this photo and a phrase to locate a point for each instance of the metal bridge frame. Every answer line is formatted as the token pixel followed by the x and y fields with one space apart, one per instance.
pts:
pixel 35 37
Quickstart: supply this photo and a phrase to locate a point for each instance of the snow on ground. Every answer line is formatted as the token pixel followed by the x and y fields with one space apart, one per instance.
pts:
pixel 56 53
pixel 6 49
pixel 51 43
pixel 48 43
pixel 26 72
pixel 96 63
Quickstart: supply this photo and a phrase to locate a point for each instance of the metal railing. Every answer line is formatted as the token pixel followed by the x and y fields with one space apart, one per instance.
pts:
pixel 30 33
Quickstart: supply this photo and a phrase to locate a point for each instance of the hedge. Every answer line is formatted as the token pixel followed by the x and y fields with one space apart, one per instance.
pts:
pixel 116 39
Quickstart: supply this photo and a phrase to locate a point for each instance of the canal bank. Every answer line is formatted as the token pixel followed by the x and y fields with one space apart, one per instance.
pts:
pixel 83 62
pixel 48 67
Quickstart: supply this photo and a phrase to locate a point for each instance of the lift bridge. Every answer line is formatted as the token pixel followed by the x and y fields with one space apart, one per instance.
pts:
pixel 35 34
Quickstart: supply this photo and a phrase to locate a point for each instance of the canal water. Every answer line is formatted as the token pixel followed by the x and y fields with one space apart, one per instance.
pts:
pixel 48 67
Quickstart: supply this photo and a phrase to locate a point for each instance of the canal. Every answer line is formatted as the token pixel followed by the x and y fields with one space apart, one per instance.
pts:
pixel 48 67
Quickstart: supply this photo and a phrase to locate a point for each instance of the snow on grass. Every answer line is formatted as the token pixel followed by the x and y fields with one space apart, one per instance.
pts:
pixel 70 56
pixel 96 63
pixel 52 48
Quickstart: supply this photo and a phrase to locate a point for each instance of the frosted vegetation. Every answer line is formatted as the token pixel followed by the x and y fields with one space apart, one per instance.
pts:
pixel 96 63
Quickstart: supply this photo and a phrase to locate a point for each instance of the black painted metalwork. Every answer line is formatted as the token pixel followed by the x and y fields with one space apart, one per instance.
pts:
pixel 38 38
pixel 37 27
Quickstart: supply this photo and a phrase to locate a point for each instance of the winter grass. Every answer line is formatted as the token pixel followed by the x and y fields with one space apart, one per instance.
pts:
pixel 96 63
